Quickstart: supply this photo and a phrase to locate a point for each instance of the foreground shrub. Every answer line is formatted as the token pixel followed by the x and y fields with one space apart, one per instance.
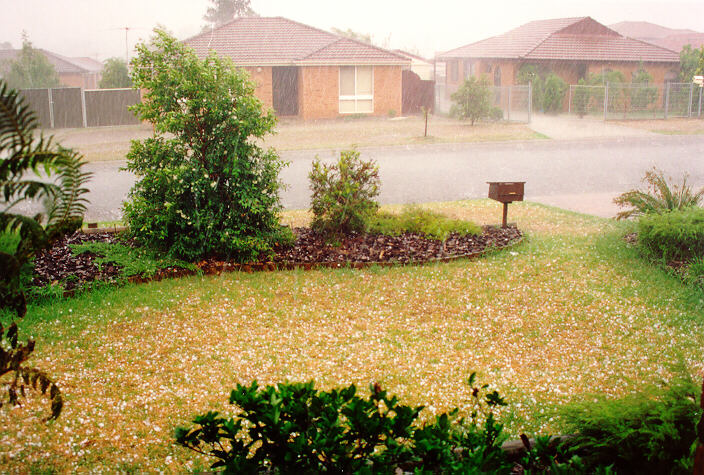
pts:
pixel 294 428
pixel 204 185
pixel 673 236
pixel 414 219
pixel 344 193
pixel 643 433
pixel 24 154
pixel 660 195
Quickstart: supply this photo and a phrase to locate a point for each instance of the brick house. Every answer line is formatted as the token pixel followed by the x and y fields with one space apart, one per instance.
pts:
pixel 306 72
pixel 73 72
pixel 572 48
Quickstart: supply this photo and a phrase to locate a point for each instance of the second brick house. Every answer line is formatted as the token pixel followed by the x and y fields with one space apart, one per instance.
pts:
pixel 306 72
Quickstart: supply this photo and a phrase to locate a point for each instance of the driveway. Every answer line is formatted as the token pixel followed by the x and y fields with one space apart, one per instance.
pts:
pixel 569 127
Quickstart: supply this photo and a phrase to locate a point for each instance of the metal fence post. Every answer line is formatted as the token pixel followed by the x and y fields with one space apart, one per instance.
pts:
pixel 699 111
pixel 606 100
pixel 689 105
pixel 667 98
pixel 508 112
pixel 83 106
pixel 530 100
pixel 51 108
pixel 569 102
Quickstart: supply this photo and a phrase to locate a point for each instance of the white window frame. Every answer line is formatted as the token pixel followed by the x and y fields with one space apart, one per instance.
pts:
pixel 355 97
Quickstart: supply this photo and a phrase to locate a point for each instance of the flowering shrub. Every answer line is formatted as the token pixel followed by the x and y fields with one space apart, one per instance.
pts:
pixel 206 188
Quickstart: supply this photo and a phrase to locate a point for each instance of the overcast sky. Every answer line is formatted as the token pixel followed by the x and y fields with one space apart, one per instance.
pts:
pixel 95 28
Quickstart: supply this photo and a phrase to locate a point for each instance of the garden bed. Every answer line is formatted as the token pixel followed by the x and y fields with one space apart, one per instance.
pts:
pixel 311 250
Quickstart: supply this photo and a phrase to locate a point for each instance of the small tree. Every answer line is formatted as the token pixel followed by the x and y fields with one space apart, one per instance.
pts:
pixel 31 69
pixel 115 74
pixel 205 187
pixel 24 152
pixel 689 61
pixel 344 194
pixel 580 100
pixel 472 99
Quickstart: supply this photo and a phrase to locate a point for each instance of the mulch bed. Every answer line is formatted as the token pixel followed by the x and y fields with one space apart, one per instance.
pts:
pixel 311 250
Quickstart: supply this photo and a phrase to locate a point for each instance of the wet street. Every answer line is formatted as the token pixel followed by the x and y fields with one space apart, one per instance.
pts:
pixel 583 175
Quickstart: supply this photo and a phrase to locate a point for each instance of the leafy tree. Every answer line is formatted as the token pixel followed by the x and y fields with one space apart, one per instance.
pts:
pixel 472 99
pixel 115 74
pixel 690 59
pixel 205 187
pixel 31 69
pixel 23 152
pixel 222 11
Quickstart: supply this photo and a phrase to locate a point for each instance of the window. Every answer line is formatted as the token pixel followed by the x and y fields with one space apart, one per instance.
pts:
pixel 356 89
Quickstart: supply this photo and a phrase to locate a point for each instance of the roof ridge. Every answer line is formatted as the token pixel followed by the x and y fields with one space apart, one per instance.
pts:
pixel 548 35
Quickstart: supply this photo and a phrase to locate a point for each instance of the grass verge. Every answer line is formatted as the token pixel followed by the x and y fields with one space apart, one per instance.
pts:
pixel 571 311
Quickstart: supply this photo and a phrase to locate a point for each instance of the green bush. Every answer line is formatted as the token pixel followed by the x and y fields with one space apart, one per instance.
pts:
pixel 644 433
pixel 580 100
pixel 204 185
pixel 659 196
pixel 343 193
pixel 295 428
pixel 553 93
pixel 496 114
pixel 414 219
pixel 673 235
pixel 472 100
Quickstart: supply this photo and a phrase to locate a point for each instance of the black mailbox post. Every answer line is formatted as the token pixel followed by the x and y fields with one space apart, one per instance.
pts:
pixel 506 192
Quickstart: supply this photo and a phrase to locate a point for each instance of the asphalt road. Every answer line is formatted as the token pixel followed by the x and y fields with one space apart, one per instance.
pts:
pixel 575 174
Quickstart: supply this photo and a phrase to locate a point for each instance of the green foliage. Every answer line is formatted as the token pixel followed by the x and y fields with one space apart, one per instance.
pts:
pixel 642 94
pixel 355 35
pixel 690 59
pixel 115 74
pixel 472 100
pixel 580 99
pixel 24 154
pixel 548 89
pixel 294 428
pixel 31 69
pixel 414 219
pixel 553 93
pixel 674 235
pixel 659 196
pixel 205 187
pixel 650 432
pixel 343 194
pixel 133 260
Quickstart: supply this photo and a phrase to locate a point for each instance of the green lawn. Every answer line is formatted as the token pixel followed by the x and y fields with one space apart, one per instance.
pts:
pixel 570 311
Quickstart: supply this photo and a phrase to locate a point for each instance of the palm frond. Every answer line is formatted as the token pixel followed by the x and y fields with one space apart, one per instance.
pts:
pixel 70 202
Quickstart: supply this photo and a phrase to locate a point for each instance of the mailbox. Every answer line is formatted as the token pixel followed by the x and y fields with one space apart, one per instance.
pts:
pixel 506 192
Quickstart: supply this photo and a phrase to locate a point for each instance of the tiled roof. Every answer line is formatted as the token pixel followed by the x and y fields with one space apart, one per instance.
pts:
pixel 62 64
pixel 259 41
pixel 580 39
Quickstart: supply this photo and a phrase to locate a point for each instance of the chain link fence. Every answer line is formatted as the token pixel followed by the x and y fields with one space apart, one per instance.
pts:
pixel 636 101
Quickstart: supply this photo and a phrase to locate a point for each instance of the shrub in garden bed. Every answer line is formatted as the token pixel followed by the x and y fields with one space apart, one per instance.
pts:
pixel 673 236
pixel 414 219
pixel 205 188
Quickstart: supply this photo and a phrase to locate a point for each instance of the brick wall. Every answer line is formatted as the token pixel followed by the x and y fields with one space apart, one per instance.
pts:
pixel 388 92
pixel 318 90
pixel 262 77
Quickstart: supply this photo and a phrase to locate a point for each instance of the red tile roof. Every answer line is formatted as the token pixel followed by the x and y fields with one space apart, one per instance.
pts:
pixel 260 41
pixel 571 39
pixel 62 64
